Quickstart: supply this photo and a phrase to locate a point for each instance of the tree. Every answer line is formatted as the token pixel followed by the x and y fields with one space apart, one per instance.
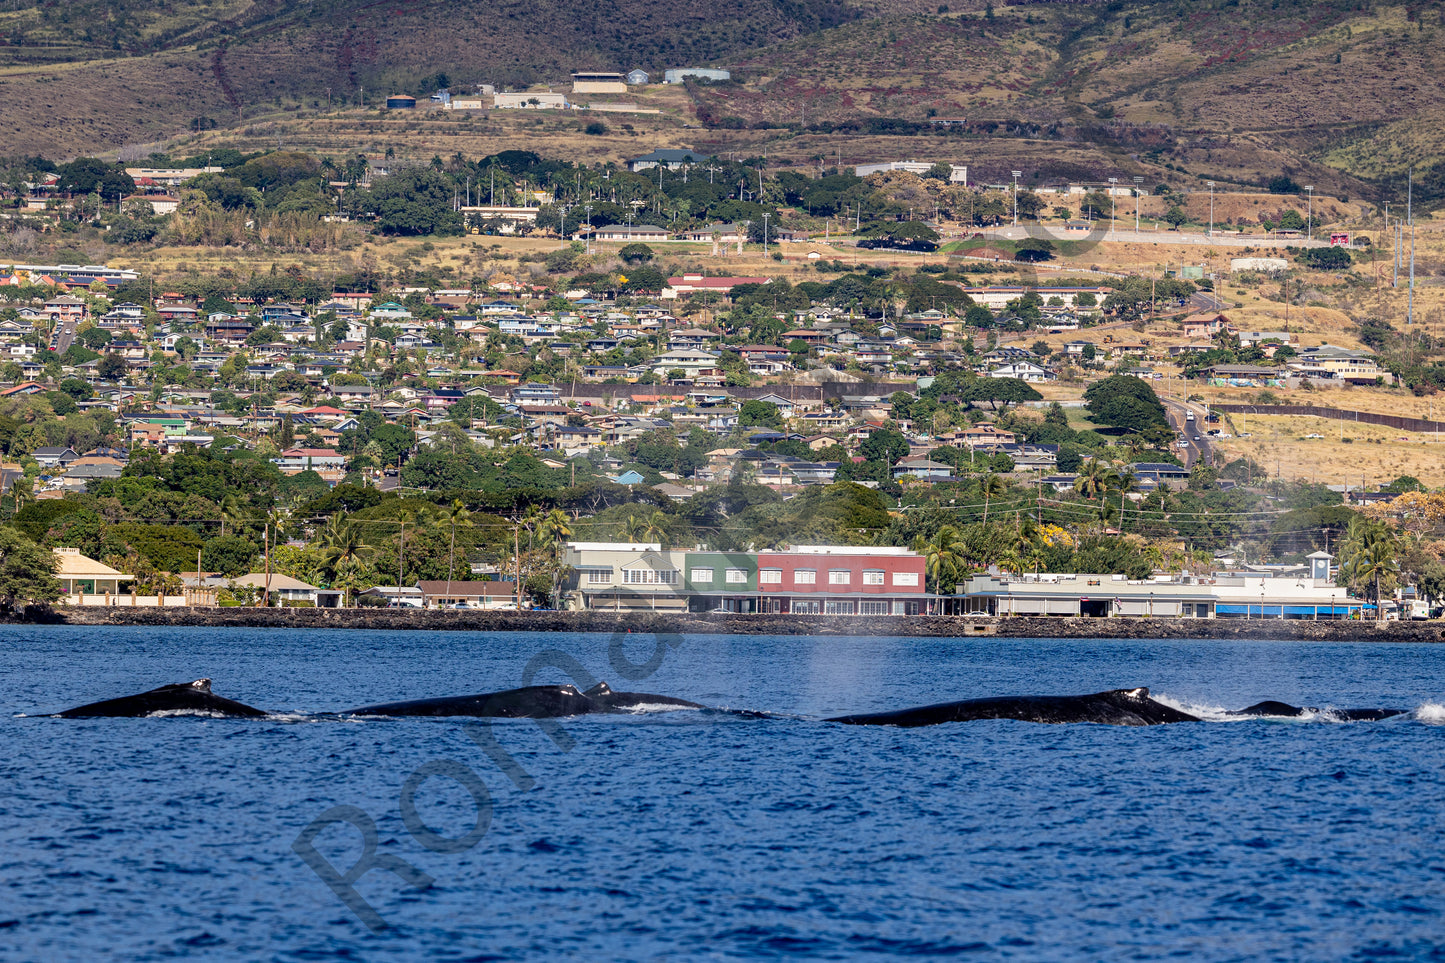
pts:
pixel 95 338
pixel 230 555
pixel 27 572
pixel 990 486
pixel 1291 220
pixel 456 516
pixel 1370 558
pixel 415 201
pixel 346 548
pixel 885 445
pixel 942 560
pixel 1126 402
pixel 1033 250
pixel 1175 217
pixel 1096 477
pixel 112 367
pixel 759 414
pixel 636 253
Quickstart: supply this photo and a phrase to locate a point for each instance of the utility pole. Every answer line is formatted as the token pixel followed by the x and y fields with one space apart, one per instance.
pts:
pixel 1310 223
pixel 266 539
pixel 400 556
pixel 1017 175
pixel 1211 208
pixel 1410 218
pixel 1113 203
pixel 1137 182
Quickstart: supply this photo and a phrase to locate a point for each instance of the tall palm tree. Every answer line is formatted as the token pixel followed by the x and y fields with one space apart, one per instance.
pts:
pixel 1371 555
pixel 553 530
pixel 457 516
pixel 990 486
pixel 345 547
pixel 232 510
pixel 24 491
pixel 943 559
pixel 656 527
pixel 1096 476
pixel 634 530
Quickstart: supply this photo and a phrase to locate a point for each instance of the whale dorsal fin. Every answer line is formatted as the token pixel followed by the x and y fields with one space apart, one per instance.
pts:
pixel 201 685
pixel 600 689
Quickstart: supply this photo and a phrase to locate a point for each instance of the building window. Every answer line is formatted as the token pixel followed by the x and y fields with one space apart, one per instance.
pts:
pixel 905 578
pixel 702 575
pixel 737 576
pixel 649 576
pixel 839 576
pixel 599 576
pixel 872 576
pixel 873 608
pixel 771 576
pixel 805 606
pixel 838 608
pixel 805 576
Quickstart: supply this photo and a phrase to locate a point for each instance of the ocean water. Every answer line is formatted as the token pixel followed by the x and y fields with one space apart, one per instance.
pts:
pixel 708 836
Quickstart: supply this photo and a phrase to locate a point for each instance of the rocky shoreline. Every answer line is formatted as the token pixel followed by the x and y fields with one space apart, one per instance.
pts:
pixel 400 620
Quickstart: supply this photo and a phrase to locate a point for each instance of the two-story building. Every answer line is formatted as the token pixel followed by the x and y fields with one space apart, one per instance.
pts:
pixel 801 580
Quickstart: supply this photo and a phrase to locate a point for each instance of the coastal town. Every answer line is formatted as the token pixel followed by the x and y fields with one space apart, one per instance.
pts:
pixel 560 420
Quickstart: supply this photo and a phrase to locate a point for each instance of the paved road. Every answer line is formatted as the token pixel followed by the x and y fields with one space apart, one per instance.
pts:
pixel 1205 301
pixel 63 336
pixel 1197 451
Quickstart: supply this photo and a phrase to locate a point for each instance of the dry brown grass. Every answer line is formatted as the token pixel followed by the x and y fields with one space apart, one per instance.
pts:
pixel 1377 454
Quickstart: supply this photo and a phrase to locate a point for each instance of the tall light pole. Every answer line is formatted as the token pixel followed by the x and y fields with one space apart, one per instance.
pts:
pixel 765 232
pixel 1017 175
pixel 1211 208
pixel 1113 202
pixel 1137 182
pixel 1310 223
pixel 588 209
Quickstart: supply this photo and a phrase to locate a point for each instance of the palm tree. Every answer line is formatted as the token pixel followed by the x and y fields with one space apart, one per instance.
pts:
pixel 457 516
pixel 634 529
pixel 656 528
pixel 943 560
pixel 232 510
pixel 552 531
pixel 346 548
pixel 1371 556
pixel 989 486
pixel 24 491
pixel 1095 478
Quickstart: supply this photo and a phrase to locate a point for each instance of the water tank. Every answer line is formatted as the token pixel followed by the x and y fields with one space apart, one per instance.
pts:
pixel 400 102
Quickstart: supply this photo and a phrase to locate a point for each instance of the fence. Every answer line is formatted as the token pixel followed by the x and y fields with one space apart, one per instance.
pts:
pixel 1316 411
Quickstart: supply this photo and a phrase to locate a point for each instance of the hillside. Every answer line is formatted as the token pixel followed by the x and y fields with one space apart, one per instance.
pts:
pixel 99 75
pixel 1343 94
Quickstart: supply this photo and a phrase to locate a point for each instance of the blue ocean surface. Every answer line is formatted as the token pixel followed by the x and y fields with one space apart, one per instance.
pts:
pixel 712 836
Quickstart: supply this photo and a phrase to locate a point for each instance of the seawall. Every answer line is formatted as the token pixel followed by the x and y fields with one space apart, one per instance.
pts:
pixel 403 620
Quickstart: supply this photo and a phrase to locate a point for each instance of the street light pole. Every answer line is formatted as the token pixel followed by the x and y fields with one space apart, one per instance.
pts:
pixel 1310 224
pixel 1211 208
pixel 1137 182
pixel 1017 175
pixel 1113 203
pixel 765 232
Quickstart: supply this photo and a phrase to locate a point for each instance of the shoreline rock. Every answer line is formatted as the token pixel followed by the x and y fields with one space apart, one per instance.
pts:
pixel 432 620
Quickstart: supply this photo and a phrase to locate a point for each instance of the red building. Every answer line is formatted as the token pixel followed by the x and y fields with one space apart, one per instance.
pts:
pixel 842 580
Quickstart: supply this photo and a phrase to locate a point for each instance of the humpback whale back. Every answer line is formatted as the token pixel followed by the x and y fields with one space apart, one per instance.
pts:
pixel 1117 707
pixel 180 697
pixel 1286 711
pixel 602 694
pixel 529 702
